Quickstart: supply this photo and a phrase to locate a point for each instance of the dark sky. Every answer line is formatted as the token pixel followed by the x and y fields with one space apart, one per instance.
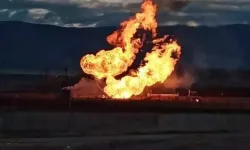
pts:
pixel 93 13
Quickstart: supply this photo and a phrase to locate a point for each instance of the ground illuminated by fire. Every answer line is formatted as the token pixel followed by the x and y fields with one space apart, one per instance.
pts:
pixel 159 63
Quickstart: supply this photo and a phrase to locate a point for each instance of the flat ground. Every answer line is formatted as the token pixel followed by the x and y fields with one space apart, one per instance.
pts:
pixel 215 141
pixel 128 131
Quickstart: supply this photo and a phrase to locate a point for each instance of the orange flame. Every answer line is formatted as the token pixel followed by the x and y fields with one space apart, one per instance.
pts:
pixel 159 62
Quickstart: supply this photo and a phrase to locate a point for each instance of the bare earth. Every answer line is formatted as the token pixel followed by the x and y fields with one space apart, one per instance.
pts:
pixel 136 142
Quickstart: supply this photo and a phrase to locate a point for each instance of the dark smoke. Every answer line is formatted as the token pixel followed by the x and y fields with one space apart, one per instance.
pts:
pixel 171 5
pixel 163 5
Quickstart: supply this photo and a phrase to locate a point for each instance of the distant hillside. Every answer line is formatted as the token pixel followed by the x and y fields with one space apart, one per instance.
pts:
pixel 26 46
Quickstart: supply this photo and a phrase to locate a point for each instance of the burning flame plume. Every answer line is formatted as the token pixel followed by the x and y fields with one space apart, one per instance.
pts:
pixel 159 63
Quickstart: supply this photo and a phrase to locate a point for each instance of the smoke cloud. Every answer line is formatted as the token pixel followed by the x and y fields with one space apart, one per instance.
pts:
pixel 163 5
pixel 184 81
pixel 171 5
pixel 87 88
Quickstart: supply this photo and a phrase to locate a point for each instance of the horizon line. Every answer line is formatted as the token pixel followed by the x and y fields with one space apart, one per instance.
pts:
pixel 175 25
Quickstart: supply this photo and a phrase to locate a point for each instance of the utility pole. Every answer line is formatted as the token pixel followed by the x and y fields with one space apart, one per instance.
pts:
pixel 189 92
pixel 70 114
pixel 45 78
pixel 66 74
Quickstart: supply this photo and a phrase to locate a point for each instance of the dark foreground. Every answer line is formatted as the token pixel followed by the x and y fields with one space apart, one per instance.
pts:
pixel 98 124
pixel 136 142
pixel 124 131
pixel 207 105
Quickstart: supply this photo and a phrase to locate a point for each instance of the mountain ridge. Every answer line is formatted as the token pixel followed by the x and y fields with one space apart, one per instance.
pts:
pixel 177 25
pixel 42 46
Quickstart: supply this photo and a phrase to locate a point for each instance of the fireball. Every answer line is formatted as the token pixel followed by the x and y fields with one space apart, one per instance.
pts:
pixel 159 62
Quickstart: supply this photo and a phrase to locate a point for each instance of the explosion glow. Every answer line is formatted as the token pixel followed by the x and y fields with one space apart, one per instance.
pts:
pixel 159 63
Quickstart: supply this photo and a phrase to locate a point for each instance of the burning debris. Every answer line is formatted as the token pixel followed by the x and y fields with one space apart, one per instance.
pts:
pixel 158 64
